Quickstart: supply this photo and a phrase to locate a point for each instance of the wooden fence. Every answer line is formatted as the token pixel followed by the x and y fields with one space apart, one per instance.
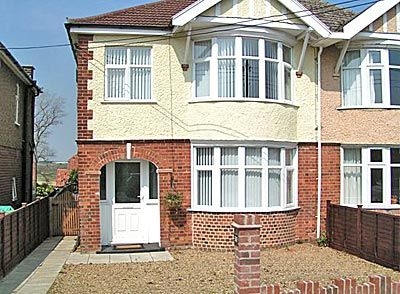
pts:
pixel 371 235
pixel 21 231
pixel 64 218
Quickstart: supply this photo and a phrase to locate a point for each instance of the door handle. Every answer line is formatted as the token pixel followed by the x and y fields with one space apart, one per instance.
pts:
pixel 140 197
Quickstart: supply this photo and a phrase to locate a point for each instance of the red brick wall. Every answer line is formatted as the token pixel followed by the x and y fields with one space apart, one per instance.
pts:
pixel 214 230
pixel 172 157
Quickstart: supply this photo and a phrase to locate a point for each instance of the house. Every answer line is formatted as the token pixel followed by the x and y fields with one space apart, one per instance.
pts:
pixel 236 106
pixel 17 99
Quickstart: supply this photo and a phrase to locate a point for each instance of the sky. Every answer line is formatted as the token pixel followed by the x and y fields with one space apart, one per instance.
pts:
pixel 41 22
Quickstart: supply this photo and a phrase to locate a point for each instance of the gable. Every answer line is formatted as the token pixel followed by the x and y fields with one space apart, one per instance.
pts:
pixel 389 22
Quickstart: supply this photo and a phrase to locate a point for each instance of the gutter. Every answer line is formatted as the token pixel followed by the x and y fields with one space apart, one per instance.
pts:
pixel 319 139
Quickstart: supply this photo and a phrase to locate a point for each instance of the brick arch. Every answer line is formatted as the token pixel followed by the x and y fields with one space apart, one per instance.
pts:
pixel 120 153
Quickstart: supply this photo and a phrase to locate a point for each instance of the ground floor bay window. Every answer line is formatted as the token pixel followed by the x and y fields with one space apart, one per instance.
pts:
pixel 371 176
pixel 254 178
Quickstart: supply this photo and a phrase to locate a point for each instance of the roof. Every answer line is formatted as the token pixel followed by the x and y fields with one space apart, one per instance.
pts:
pixel 159 14
pixel 6 55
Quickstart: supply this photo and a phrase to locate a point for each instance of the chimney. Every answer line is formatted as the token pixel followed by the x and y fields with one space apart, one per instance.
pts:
pixel 29 69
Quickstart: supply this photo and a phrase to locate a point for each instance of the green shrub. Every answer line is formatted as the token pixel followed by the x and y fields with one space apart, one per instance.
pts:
pixel 322 241
pixel 43 189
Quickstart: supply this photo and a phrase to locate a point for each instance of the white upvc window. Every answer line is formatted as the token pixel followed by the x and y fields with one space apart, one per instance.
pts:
pixel 128 74
pixel 371 176
pixel 242 68
pixel 370 78
pixel 14 193
pixel 17 98
pixel 254 178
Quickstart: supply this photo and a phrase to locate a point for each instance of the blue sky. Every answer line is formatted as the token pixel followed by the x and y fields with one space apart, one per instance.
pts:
pixel 41 22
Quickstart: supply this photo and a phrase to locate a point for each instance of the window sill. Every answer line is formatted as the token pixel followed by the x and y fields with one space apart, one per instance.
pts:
pixel 242 100
pixel 242 210
pixel 152 101
pixel 361 107
pixel 17 124
pixel 376 206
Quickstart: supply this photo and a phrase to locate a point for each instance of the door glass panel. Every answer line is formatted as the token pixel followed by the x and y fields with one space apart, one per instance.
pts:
pixel 127 182
pixel 376 185
pixel 103 183
pixel 395 183
pixel 376 155
pixel 153 181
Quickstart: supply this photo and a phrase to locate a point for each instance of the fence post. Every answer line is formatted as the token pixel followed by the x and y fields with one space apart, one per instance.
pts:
pixel 359 228
pixel 328 220
pixel 247 253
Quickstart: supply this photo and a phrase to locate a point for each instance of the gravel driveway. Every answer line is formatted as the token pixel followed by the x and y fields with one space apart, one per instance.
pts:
pixel 212 272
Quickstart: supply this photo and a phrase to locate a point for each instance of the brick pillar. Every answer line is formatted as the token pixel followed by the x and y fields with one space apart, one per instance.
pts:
pixel 247 253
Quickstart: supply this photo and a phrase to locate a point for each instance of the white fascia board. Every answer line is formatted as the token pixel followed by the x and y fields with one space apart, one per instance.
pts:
pixel 379 36
pixel 192 11
pixel 307 17
pixel 14 68
pixel 368 16
pixel 118 31
pixel 250 22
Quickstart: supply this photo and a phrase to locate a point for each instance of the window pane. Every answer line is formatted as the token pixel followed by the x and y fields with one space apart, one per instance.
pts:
pixel 229 187
pixel 351 80
pixel 229 156
pixel 250 78
pixel 288 83
pixel 202 49
pixel 352 59
pixel 274 156
pixel 376 185
pixel 226 47
pixel 394 86
pixel 253 188
pixel 226 78
pixel 204 187
pixel 375 82
pixel 250 47
pixel 103 177
pixel 352 184
pixel 374 57
pixel 271 80
pixel 153 181
pixel 205 156
pixel 376 155
pixel 289 156
pixel 115 83
pixel 141 83
pixel 253 156
pixel 289 187
pixel 271 50
pixel 395 183
pixel 287 54
pixel 274 187
pixel 116 55
pixel 140 56
pixel 127 182
pixel 394 57
pixel 394 155
pixel 352 155
pixel 202 77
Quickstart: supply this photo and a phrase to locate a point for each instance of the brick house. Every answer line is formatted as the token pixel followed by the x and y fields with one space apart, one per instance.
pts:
pixel 223 102
pixel 17 100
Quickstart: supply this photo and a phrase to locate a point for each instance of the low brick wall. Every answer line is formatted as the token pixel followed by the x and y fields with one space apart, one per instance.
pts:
pixel 213 231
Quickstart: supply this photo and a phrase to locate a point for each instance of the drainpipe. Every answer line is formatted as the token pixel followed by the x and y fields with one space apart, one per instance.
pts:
pixel 319 180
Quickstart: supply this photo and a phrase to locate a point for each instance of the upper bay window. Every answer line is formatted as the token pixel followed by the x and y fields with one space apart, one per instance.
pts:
pixel 128 73
pixel 370 77
pixel 244 178
pixel 242 67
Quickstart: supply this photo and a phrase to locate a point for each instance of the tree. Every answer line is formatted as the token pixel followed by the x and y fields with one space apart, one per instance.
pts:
pixel 49 112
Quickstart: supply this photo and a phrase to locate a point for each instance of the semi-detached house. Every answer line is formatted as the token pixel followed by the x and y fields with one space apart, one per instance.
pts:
pixel 264 106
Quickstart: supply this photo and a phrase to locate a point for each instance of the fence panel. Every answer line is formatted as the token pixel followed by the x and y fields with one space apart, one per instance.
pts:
pixel 371 235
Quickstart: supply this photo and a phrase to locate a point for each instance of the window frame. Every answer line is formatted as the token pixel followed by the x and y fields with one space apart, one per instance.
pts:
pixel 241 166
pixel 239 57
pixel 365 89
pixel 127 78
pixel 17 100
pixel 366 166
pixel 14 191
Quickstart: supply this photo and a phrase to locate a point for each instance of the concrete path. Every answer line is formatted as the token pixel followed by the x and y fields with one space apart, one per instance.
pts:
pixel 37 272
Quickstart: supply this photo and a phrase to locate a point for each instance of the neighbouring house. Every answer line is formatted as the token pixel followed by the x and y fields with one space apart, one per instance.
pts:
pixel 260 106
pixel 63 174
pixel 17 101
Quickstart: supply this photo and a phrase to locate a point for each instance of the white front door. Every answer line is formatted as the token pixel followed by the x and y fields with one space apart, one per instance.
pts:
pixel 133 194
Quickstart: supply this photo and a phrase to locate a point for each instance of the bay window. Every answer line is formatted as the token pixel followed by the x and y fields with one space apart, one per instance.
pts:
pixel 370 78
pixel 128 73
pixel 242 67
pixel 371 176
pixel 244 178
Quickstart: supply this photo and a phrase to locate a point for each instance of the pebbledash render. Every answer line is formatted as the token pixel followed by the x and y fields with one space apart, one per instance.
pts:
pixel 265 107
